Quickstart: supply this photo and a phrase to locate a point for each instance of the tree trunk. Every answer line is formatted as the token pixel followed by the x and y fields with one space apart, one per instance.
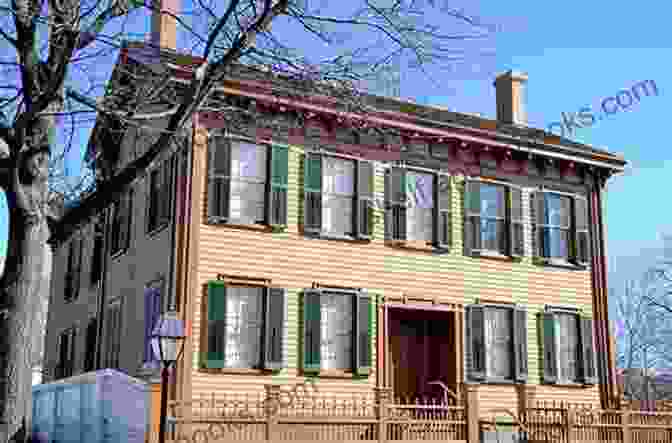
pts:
pixel 24 296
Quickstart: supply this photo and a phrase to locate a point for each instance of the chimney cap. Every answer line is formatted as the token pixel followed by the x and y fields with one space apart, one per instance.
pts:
pixel 512 75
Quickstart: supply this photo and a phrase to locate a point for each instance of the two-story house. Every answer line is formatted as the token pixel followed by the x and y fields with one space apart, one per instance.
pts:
pixel 303 244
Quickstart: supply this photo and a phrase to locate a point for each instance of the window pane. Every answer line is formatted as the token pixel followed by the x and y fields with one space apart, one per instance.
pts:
pixel 420 197
pixel 337 195
pixel 338 176
pixel 248 190
pixel 499 339
pixel 556 243
pixel 243 327
pixel 493 203
pixel 247 201
pixel 248 161
pixel 336 331
pixel 568 347
pixel 337 214
pixel 557 208
pixel 493 235
pixel 419 190
pixel 419 223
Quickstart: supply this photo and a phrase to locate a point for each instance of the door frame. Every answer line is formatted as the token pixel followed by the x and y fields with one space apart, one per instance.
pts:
pixel 426 305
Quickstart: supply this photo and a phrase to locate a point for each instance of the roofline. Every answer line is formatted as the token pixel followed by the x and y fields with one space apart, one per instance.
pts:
pixel 596 157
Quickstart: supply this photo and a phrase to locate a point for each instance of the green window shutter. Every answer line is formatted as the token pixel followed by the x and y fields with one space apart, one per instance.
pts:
pixel 580 235
pixel 472 219
pixel 311 330
pixel 362 334
pixel 312 187
pixel 516 240
pixel 588 367
pixel 395 202
pixel 520 344
pixel 276 207
pixel 363 199
pixel 442 203
pixel 219 179
pixel 550 331
pixel 538 220
pixel 274 327
pixel 475 343
pixel 215 355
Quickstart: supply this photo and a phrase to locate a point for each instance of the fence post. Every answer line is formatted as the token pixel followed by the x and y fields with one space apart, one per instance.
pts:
pixel 272 404
pixel 625 425
pixel 382 400
pixel 471 404
pixel 569 422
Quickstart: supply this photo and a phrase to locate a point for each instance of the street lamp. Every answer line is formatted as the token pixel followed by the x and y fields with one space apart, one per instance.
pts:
pixel 167 341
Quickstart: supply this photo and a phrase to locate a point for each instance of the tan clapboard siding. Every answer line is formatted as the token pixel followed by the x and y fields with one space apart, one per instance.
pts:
pixel 497 397
pixel 294 261
pixel 569 395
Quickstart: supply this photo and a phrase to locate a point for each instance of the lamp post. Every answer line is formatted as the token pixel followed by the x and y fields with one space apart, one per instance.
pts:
pixel 167 341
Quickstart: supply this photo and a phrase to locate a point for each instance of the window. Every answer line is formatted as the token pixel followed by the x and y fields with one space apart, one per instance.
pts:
pixel 160 195
pixel 493 219
pixel 97 257
pixel 247 182
pixel 337 196
pixel 417 207
pixel 120 231
pixel 561 223
pixel 496 343
pixel 66 353
pixel 336 330
pixel 569 355
pixel 91 338
pixel 113 335
pixel 73 273
pixel 245 326
pixel 154 308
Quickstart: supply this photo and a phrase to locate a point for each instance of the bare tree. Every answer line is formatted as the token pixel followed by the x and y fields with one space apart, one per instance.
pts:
pixel 51 87
pixel 644 339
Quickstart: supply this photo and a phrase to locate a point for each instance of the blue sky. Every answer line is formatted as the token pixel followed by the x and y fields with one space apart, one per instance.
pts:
pixel 575 54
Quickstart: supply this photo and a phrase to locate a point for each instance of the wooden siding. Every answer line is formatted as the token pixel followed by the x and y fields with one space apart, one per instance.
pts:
pixel 295 262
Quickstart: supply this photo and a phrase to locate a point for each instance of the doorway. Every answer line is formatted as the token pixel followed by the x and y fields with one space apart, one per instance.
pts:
pixel 422 350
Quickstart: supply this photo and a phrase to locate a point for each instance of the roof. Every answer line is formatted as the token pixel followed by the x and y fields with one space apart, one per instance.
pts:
pixel 186 63
pixel 531 141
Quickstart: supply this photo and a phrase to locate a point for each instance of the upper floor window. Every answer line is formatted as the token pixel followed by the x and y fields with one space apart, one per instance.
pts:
pixel 160 195
pixel 245 326
pixel 338 193
pixel 247 182
pixel 561 227
pixel 97 255
pixel 569 355
pixel 496 343
pixel 113 334
pixel 120 231
pixel 417 206
pixel 493 219
pixel 91 340
pixel 336 330
pixel 73 272
pixel 66 353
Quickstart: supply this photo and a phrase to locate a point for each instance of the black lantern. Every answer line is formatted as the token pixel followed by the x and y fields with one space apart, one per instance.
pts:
pixel 167 341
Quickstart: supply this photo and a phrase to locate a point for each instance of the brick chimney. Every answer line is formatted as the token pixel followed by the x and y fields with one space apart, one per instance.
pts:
pixel 511 88
pixel 164 25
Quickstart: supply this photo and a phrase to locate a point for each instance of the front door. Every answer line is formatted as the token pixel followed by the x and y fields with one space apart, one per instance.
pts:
pixel 420 342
